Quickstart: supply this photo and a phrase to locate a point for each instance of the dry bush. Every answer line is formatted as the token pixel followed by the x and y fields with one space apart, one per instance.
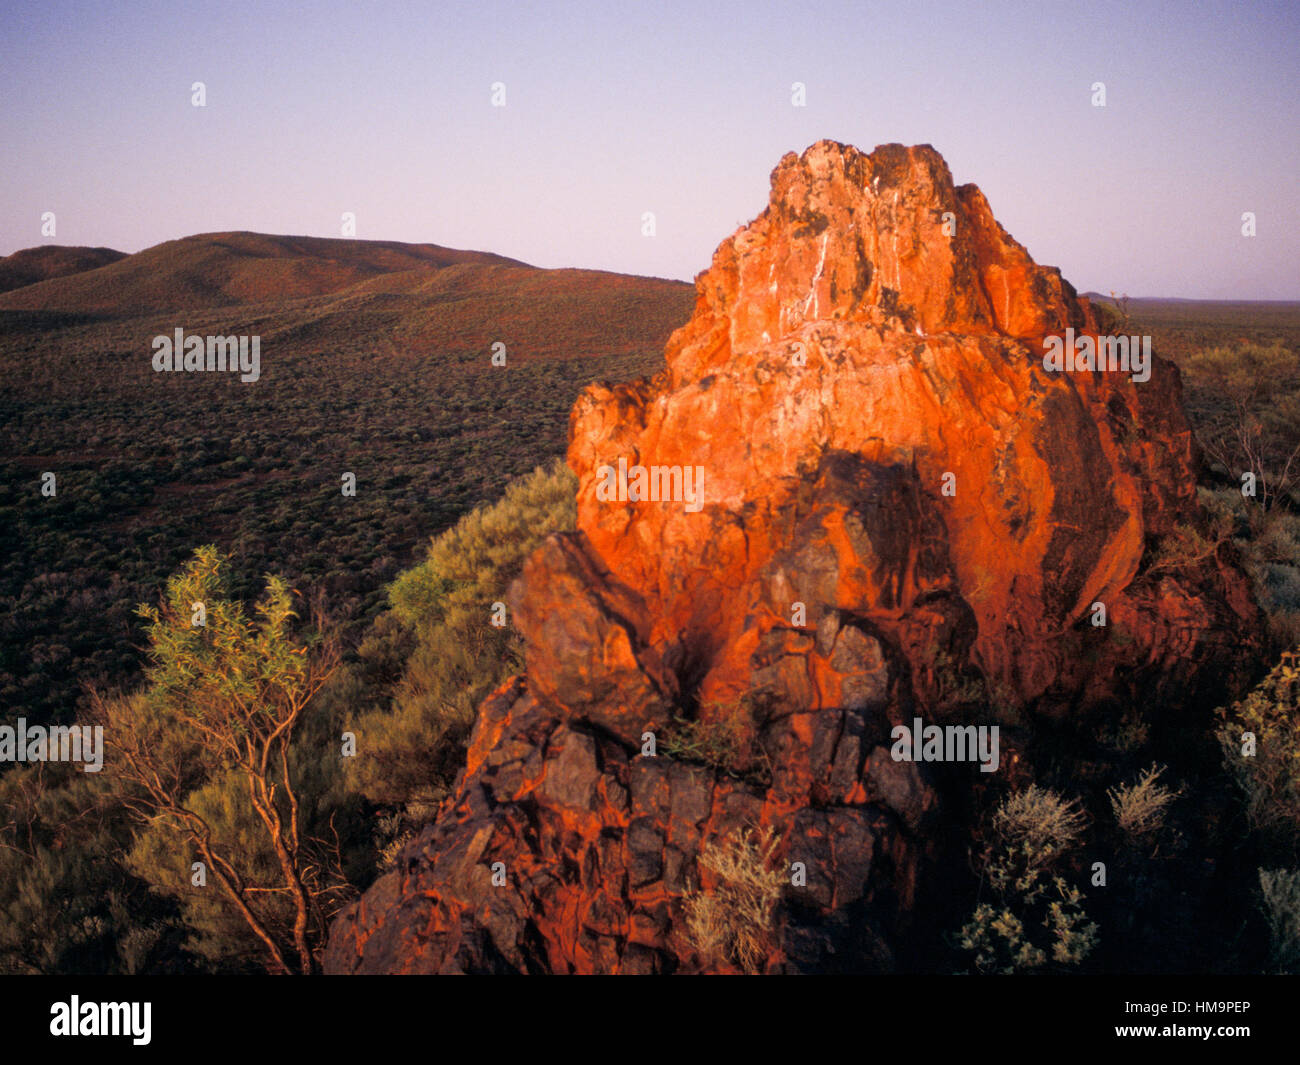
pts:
pixel 1140 808
pixel 1036 915
pixel 735 921
pixel 1034 827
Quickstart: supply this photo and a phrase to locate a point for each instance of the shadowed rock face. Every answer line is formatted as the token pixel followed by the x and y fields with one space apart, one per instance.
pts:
pixel 900 513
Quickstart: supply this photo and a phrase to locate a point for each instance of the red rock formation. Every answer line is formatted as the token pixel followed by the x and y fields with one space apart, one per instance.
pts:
pixel 900 512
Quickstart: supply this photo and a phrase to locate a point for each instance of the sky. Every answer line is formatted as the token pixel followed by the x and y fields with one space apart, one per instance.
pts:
pixel 612 110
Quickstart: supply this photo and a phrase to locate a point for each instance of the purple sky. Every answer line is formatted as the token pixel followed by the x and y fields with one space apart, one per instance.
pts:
pixel 683 109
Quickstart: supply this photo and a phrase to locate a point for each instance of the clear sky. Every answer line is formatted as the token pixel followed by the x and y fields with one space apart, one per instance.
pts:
pixel 683 109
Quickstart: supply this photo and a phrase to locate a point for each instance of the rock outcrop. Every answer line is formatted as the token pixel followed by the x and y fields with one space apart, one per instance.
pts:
pixel 864 500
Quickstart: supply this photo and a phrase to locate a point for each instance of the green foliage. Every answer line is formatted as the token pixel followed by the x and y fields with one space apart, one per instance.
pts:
pixel 227 671
pixel 50 923
pixel 162 855
pixel 713 742
pixel 1270 777
pixel 411 746
pixel 1240 367
pixel 1269 542
pixel 1126 733
pixel 66 903
pixel 473 563
pixel 953 684
pixel 205 750
pixel 1246 399
pixel 999 942
pixel 722 739
pixel 1028 924
pixel 718 740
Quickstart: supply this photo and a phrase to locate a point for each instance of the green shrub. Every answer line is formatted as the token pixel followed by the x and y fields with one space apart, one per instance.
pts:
pixel 1269 542
pixel 410 748
pixel 471 565
pixel 1244 401
pixel 1031 831
pixel 999 942
pixel 1260 737
pixel 715 743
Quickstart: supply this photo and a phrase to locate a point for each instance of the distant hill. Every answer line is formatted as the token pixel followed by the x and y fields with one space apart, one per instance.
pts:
pixel 48 261
pixel 321 294
pixel 224 269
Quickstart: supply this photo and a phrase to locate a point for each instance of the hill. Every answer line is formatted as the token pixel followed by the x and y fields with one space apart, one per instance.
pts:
pixel 31 265
pixel 225 269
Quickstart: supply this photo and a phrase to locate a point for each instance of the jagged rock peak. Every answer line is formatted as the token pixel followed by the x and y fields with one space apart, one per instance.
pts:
pixel 871 502
pixel 884 238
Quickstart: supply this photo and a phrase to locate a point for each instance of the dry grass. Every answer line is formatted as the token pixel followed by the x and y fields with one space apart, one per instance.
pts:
pixel 735 921
pixel 1140 808
pixel 1039 819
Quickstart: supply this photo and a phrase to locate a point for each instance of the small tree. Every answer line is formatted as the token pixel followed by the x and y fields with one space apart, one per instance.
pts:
pixel 205 751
